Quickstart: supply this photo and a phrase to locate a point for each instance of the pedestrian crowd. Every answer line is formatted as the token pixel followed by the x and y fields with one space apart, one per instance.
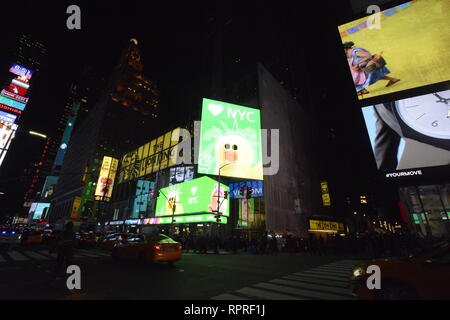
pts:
pixel 362 244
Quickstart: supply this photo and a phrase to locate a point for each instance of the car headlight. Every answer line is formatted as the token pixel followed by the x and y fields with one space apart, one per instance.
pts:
pixel 358 272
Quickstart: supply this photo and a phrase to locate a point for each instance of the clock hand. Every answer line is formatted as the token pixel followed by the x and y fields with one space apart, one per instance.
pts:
pixel 441 99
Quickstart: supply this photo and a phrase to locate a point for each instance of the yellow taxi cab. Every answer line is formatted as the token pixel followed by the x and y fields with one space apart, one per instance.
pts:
pixel 424 275
pixel 148 248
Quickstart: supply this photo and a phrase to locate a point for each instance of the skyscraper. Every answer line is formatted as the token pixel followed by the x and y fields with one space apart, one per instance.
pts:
pixel 123 117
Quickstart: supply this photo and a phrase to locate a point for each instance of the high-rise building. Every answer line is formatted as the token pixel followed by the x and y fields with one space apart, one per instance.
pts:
pixel 30 52
pixel 123 118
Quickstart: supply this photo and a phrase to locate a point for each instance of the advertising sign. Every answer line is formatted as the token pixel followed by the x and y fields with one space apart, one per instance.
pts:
pixel 195 196
pixel 257 186
pixel 40 210
pixel 14 96
pixel 7 117
pixel 158 154
pixel 75 208
pixel 322 225
pixel 7 133
pixel 144 194
pixel 197 218
pixel 2 106
pixel 106 178
pixel 18 87
pixel 12 103
pixel 375 47
pixel 410 133
pixel 21 71
pixel 49 185
pixel 230 140
pixel 180 174
pixel 246 212
pixel 326 202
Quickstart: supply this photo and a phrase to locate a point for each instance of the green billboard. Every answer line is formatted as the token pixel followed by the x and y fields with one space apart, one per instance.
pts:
pixel 230 140
pixel 194 196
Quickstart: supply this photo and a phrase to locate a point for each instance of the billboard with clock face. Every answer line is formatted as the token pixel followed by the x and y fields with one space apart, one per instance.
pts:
pixel 410 133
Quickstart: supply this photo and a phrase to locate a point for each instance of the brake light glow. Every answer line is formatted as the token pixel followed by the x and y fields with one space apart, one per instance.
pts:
pixel 157 247
pixel 180 247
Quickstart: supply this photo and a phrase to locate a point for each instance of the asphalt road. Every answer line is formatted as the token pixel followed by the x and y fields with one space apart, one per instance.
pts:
pixel 26 273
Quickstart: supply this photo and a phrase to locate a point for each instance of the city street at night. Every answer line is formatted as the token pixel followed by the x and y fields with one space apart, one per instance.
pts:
pixel 197 276
pixel 186 156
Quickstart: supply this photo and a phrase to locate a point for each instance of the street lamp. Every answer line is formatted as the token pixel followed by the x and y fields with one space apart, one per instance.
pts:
pixel 218 191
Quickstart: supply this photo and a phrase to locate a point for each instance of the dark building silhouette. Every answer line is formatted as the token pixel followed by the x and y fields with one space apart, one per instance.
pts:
pixel 124 116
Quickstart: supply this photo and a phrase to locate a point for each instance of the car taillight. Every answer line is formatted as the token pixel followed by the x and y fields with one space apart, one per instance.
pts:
pixel 157 247
pixel 180 247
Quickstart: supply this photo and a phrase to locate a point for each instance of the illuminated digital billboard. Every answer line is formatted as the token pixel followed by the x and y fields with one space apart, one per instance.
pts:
pixel 401 48
pixel 8 101
pixel 7 133
pixel 7 117
pixel 180 174
pixel 144 196
pixel 3 107
pixel 105 183
pixel 410 133
pixel 19 87
pixel 256 185
pixel 38 210
pixel 21 71
pixel 230 140
pixel 158 154
pixel 196 196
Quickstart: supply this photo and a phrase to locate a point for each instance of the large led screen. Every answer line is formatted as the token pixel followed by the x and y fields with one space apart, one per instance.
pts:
pixel 158 154
pixel 21 71
pixel 7 134
pixel 410 133
pixel 230 141
pixel 38 210
pixel 412 40
pixel 194 196
pixel 106 178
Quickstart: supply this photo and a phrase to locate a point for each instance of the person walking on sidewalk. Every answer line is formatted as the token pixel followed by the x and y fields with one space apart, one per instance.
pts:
pixel 64 249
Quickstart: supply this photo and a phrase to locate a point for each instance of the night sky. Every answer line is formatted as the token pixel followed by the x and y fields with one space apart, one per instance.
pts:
pixel 172 37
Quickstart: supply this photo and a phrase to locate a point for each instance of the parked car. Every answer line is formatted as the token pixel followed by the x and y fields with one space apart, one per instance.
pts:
pixel 424 275
pixel 148 248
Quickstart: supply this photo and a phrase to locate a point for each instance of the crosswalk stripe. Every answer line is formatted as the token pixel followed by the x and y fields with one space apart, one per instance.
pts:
pixel 305 293
pixel 46 253
pixel 342 265
pixel 227 296
pixel 37 256
pixel 334 268
pixel 345 292
pixel 15 255
pixel 317 281
pixel 264 294
pixel 88 254
pixel 331 271
pixel 327 274
pixel 320 276
pixel 94 254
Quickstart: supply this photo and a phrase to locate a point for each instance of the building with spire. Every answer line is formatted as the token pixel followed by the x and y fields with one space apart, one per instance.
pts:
pixel 123 117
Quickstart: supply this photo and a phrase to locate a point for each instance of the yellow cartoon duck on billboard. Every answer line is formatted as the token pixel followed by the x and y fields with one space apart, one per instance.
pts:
pixel 237 151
